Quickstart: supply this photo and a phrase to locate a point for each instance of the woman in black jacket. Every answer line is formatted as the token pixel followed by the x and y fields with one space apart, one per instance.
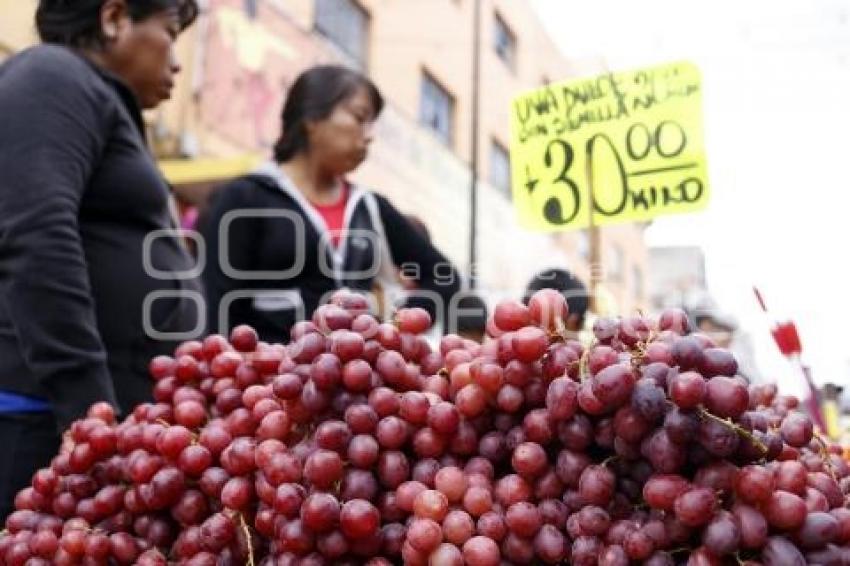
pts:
pixel 79 195
pixel 280 240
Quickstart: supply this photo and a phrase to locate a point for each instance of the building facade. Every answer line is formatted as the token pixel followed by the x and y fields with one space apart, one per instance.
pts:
pixel 677 276
pixel 242 55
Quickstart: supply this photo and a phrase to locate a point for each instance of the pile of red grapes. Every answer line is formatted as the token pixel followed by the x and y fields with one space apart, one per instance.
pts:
pixel 357 443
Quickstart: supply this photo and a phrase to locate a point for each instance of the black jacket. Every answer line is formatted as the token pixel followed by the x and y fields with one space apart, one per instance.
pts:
pixel 79 193
pixel 269 264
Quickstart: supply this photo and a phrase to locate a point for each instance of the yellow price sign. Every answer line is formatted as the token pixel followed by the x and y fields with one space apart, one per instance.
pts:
pixel 633 139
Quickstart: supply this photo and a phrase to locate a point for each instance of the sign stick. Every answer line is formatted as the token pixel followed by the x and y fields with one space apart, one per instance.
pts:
pixel 593 238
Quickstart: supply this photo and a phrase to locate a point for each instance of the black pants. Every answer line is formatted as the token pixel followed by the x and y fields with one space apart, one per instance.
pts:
pixel 27 442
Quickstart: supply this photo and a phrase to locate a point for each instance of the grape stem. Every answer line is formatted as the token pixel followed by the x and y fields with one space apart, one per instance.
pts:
pixel 638 354
pixel 167 424
pixel 740 430
pixel 582 363
pixel 560 332
pixel 825 455
pixel 248 539
pixel 609 459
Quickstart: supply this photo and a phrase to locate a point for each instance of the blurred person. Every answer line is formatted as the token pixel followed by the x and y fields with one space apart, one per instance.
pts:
pixel 79 193
pixel 408 280
pixel 419 225
pixel 466 315
pixel 468 318
pixel 844 415
pixel 830 410
pixel 717 326
pixel 392 287
pixel 333 231
pixel 570 286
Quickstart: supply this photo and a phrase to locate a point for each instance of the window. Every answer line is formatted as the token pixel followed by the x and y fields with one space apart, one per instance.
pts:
pixel 250 7
pixel 346 24
pixel 615 263
pixel 504 42
pixel 436 109
pixel 637 283
pixel 500 168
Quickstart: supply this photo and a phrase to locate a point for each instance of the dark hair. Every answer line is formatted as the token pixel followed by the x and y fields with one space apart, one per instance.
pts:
pixel 419 225
pixel 313 97
pixel 76 23
pixel 561 280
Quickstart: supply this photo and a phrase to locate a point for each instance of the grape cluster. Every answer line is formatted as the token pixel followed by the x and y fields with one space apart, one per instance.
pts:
pixel 357 443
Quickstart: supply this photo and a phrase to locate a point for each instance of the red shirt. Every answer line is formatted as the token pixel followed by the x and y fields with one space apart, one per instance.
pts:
pixel 334 215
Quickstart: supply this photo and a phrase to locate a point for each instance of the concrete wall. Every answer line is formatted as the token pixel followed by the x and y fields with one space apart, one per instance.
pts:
pixel 17 29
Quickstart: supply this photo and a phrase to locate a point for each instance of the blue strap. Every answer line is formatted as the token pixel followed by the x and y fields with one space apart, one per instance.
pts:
pixel 16 403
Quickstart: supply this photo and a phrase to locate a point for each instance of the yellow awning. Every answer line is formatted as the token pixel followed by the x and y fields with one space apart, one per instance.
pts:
pixel 206 169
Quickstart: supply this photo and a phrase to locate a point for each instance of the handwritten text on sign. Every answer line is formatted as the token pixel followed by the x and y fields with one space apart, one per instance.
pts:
pixel 635 137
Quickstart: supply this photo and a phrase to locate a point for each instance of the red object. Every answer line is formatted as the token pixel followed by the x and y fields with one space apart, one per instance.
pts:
pixel 788 341
pixel 787 338
pixel 784 333
pixel 334 215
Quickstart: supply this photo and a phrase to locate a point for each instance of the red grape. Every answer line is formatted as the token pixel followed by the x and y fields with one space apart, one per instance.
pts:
pixel 784 510
pixel 320 512
pixel 452 482
pixel 458 527
pixel 481 551
pixel 548 309
pixel 726 397
pixel 695 507
pixel 797 430
pixel 424 535
pixel 511 315
pixel 529 344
